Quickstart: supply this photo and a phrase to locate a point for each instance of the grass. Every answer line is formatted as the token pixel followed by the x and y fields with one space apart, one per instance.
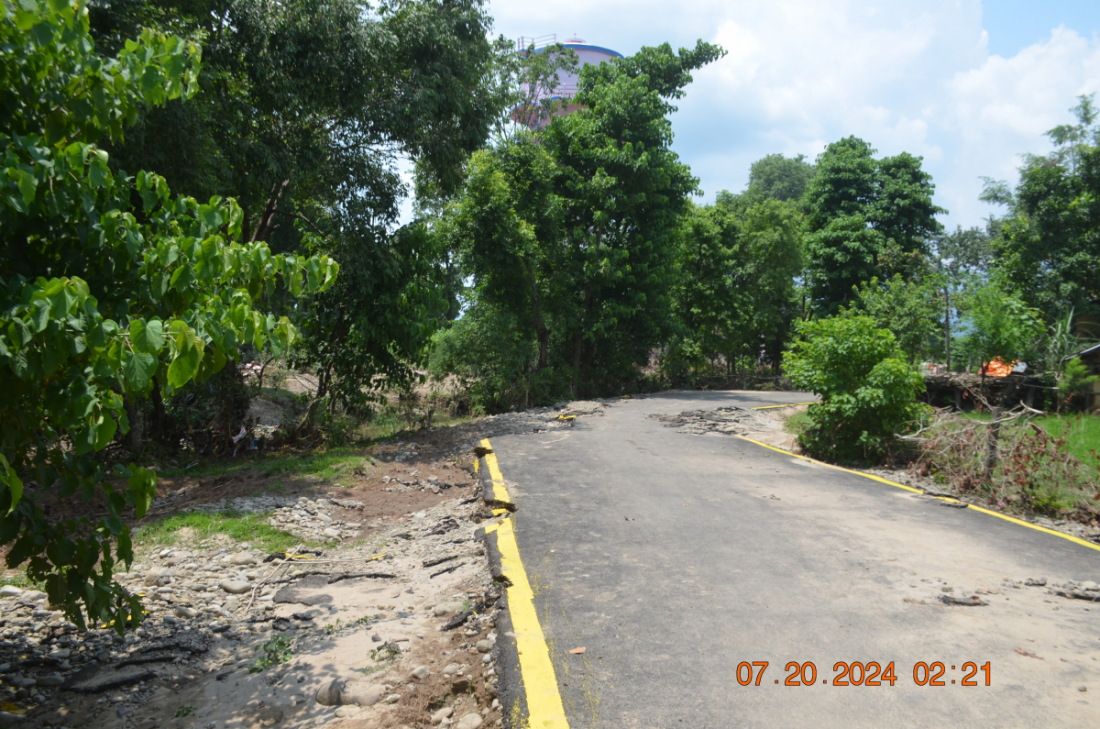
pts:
pixel 796 424
pixel 196 526
pixel 331 464
pixel 324 464
pixel 19 579
pixel 1081 437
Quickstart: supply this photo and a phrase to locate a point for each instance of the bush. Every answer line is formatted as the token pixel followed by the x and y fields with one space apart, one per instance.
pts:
pixel 867 390
pixel 492 358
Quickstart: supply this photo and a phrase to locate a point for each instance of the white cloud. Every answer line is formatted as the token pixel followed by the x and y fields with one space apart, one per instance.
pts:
pixel 903 75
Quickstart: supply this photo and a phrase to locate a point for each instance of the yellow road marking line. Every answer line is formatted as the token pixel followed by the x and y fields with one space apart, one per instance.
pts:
pixel 1021 522
pixel 788 405
pixel 540 683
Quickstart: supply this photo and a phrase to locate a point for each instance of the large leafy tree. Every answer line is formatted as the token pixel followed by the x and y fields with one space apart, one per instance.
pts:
pixel 623 192
pixel 912 310
pixel 735 283
pixel 110 288
pixel 858 209
pixel 779 177
pixel 304 109
pixel 571 228
pixel 1049 243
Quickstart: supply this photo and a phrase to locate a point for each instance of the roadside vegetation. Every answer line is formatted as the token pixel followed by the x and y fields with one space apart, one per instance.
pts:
pixel 196 527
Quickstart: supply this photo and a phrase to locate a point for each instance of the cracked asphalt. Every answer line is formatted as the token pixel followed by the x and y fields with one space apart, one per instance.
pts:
pixel 674 558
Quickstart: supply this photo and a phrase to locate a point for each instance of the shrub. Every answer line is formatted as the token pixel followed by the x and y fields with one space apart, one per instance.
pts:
pixel 867 390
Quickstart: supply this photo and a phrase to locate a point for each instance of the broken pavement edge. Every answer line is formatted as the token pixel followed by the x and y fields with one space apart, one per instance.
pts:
pixel 518 622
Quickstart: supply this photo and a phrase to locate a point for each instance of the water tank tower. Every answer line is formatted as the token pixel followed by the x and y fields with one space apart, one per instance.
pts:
pixel 567 81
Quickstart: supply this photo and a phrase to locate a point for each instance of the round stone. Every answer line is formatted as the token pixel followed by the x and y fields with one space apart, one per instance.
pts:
pixel 235 587
pixel 470 721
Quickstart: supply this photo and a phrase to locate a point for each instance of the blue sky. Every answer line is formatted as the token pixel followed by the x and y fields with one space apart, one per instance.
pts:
pixel 969 85
pixel 1016 24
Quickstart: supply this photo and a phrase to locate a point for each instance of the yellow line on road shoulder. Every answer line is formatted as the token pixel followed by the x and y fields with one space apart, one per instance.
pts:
pixel 540 682
pixel 1021 522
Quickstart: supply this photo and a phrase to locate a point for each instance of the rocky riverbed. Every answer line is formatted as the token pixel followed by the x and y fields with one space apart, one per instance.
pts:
pixel 384 616
pixel 235 637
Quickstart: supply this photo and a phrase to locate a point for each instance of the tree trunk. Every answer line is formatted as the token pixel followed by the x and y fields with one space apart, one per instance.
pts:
pixel 159 431
pixel 134 439
pixel 541 331
pixel 263 227
pixel 994 433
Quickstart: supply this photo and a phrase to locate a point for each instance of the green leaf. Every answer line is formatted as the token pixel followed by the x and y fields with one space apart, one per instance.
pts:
pixel 105 432
pixel 147 336
pixel 40 315
pixel 9 478
pixel 185 364
pixel 139 368
pixel 98 171
pixel 182 278
pixel 143 485
pixel 27 185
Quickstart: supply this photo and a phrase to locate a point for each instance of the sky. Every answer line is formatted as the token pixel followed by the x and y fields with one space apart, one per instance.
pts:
pixel 967 85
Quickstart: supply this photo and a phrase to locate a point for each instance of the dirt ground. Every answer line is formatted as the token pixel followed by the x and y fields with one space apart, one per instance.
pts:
pixel 417 506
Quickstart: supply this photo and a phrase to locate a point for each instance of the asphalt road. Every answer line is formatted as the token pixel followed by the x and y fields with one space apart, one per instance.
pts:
pixel 673 558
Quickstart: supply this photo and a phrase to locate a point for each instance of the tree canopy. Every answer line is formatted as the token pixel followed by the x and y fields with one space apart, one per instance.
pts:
pixel 110 288
pixel 301 114
pixel 779 177
pixel 858 207
pixel 1049 243
pixel 570 229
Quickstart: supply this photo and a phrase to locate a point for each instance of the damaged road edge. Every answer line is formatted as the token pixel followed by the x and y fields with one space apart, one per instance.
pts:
pixel 529 687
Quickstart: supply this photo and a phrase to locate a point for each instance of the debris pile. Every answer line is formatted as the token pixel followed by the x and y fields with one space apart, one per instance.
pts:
pixel 1084 590
pixel 455 440
pixel 728 420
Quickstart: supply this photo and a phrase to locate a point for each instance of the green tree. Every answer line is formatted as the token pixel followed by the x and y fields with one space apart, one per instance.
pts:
pixel 867 390
pixel 623 191
pixel 110 288
pixel 570 229
pixel 533 77
pixel 710 304
pixel 856 206
pixel 780 178
pixel 964 254
pixel 492 355
pixel 910 310
pixel 303 110
pixel 734 292
pixel 998 324
pixel 1049 243
pixel 1075 381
